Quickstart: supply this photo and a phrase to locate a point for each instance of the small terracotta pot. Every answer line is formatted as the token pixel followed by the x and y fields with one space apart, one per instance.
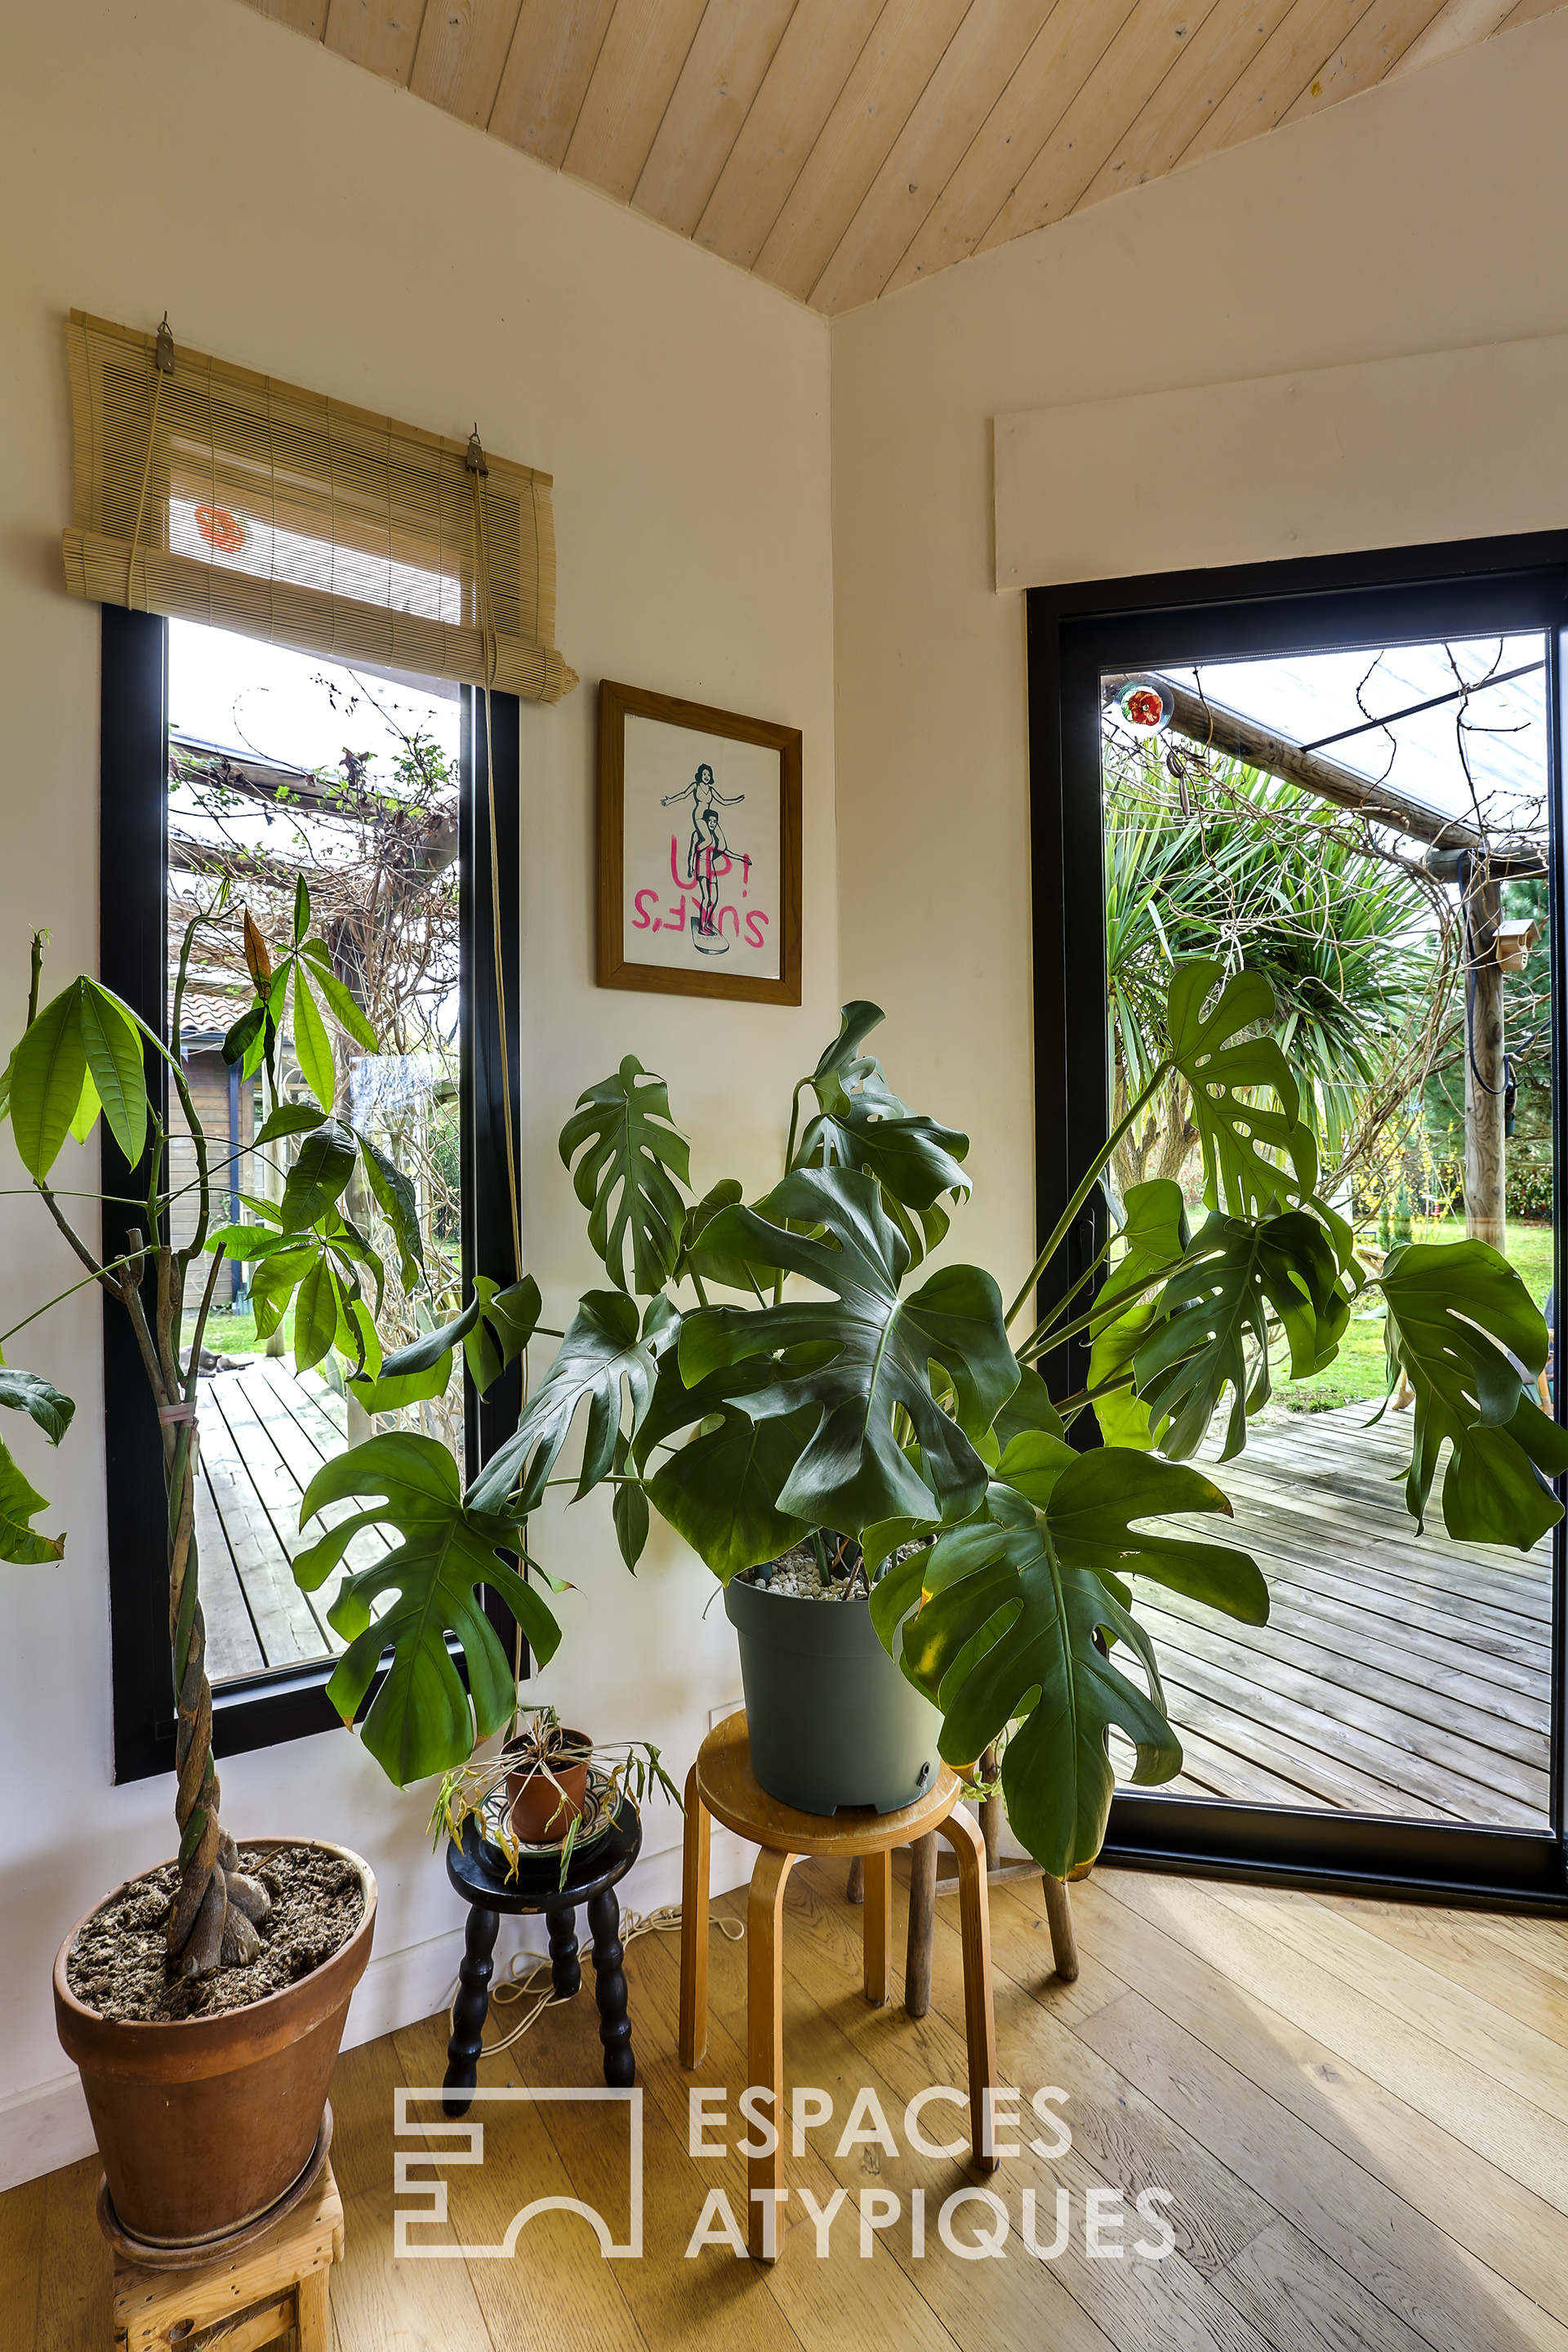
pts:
pixel 541 1812
pixel 204 2122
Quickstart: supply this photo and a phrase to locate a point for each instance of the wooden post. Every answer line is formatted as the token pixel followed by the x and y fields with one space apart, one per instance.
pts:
pixel 764 2043
pixel 694 1873
pixel 878 1901
pixel 922 1926
pixel 1058 1913
pixel 962 1835
pixel 991 1813
pixel 1217 728
pixel 854 1884
pixel 1485 1152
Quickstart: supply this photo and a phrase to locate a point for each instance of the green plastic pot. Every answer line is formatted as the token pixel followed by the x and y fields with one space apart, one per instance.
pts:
pixel 833 1720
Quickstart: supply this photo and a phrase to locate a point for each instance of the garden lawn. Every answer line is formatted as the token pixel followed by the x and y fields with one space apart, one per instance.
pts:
pixel 1359 1372
pixel 232 1332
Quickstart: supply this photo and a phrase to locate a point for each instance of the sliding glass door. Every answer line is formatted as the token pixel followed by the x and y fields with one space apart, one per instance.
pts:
pixel 1346 777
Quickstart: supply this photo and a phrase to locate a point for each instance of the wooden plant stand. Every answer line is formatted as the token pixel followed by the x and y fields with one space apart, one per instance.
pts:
pixel 926 1883
pixel 535 1885
pixel 242 2300
pixel 722 1786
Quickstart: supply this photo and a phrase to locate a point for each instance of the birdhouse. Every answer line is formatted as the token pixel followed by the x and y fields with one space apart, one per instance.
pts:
pixel 1514 941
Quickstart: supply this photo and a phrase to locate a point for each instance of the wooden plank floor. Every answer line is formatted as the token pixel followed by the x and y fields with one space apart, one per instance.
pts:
pixel 1358 2110
pixel 1398 1674
pixel 265 1433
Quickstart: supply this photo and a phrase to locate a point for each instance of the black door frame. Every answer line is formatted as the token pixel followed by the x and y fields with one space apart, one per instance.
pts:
pixel 290 1704
pixel 1466 588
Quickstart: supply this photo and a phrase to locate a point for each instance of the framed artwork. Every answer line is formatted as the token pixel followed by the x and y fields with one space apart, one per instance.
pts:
pixel 698 849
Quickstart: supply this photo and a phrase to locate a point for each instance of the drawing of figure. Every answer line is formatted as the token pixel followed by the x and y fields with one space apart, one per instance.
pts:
pixel 706 844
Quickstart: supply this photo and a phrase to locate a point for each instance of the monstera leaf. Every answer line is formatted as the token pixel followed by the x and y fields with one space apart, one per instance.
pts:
pixel 861 1123
pixel 913 1159
pixel 1155 1235
pixel 705 1264
pixel 1460 1323
pixel 1028 1407
pixel 420 1720
pixel 1007 1630
pixel 625 1180
pixel 1218 1301
pixel 720 1491
pixel 1092 1502
pixel 1225 1070
pixel 841 1065
pixel 874 1348
pixel 603 1348
pixel 1010 1607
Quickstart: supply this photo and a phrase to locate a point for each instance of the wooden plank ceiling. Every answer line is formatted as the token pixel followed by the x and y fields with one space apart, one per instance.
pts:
pixel 843 148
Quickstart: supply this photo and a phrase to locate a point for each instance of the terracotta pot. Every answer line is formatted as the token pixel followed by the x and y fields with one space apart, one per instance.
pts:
pixel 541 1812
pixel 204 2122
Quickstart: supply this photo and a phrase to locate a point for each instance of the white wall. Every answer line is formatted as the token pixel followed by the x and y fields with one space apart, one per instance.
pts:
pixel 1422 216
pixel 298 215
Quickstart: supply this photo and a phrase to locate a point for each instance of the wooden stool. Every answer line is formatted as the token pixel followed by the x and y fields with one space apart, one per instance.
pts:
pixel 242 2300
pixel 479 1874
pixel 721 1784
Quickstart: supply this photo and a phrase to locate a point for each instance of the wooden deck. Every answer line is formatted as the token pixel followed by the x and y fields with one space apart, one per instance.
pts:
pixel 265 1433
pixel 1398 1674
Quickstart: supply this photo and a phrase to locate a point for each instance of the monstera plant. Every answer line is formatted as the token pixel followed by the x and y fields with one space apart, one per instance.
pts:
pixel 903 1407
pixel 81 1058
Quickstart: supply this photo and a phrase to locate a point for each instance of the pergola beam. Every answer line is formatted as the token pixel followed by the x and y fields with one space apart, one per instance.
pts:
pixel 301 793
pixel 1211 725
pixel 1214 727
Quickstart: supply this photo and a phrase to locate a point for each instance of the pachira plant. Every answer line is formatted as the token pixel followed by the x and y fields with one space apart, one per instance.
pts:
pixel 761 1372
pixel 542 1748
pixel 81 1058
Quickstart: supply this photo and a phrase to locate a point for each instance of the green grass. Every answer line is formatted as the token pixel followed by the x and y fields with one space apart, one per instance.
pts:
pixel 234 1333
pixel 1358 1373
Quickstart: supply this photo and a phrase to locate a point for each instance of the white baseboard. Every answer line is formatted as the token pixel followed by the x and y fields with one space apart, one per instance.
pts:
pixel 47 2125
pixel 43 2127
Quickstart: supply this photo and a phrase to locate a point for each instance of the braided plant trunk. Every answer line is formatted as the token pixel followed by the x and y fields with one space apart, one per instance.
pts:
pixel 217 1907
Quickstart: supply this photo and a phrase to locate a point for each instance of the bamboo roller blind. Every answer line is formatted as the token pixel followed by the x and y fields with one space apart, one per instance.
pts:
pixel 285 515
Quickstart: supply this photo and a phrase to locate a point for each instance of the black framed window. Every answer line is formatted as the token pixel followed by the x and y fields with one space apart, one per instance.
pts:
pixel 273 1702
pixel 1082 639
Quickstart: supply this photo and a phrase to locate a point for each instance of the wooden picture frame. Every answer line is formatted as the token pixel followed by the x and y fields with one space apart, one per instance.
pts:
pixel 727 915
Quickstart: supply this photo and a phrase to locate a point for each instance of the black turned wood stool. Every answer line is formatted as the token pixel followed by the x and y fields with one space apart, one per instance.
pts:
pixel 592 1880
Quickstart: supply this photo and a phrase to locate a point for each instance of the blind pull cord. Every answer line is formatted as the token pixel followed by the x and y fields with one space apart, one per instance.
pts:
pixel 162 365
pixel 478 474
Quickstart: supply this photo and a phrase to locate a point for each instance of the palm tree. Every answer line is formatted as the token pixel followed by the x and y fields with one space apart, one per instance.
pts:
pixel 1220 860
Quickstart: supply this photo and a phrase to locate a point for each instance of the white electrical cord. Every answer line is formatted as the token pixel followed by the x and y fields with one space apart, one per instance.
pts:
pixel 665 1921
